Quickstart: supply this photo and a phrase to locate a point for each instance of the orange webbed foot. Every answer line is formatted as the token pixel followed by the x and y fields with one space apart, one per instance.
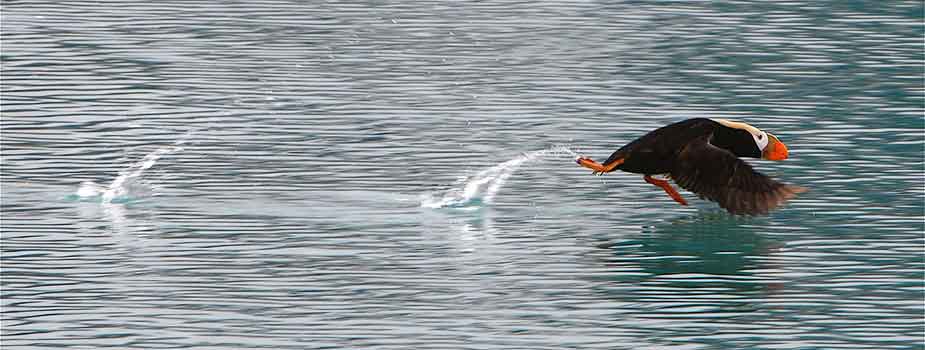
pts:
pixel 663 184
pixel 599 169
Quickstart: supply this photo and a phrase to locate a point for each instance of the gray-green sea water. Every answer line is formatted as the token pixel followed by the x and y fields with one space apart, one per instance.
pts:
pixel 399 175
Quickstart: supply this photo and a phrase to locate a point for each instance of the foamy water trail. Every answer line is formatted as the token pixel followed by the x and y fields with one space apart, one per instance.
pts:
pixel 484 185
pixel 119 188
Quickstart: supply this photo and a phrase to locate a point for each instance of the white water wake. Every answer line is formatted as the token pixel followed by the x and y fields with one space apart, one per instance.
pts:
pixel 482 187
pixel 119 189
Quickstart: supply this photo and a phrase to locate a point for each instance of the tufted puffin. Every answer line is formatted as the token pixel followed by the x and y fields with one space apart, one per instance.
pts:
pixel 702 156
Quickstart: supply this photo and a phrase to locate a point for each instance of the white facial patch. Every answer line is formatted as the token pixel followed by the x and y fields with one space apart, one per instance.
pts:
pixel 761 137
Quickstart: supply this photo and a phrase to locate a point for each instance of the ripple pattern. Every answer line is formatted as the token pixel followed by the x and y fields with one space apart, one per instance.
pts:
pixel 292 217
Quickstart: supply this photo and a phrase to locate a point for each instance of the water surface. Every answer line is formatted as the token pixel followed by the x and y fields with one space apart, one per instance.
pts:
pixel 292 175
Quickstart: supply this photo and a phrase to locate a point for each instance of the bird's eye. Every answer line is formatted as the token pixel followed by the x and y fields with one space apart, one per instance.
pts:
pixel 760 136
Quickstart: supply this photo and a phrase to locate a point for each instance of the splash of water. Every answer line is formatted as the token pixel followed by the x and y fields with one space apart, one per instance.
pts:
pixel 481 188
pixel 118 190
pixel 118 186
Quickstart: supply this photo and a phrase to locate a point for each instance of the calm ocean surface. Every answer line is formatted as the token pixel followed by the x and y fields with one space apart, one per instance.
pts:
pixel 400 175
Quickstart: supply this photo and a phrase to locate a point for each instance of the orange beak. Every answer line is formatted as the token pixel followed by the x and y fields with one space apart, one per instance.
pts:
pixel 775 149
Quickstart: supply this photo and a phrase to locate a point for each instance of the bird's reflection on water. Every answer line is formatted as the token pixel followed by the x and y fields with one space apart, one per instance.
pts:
pixel 705 256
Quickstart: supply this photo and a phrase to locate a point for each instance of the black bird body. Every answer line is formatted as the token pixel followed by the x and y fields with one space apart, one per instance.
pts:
pixel 702 156
pixel 657 151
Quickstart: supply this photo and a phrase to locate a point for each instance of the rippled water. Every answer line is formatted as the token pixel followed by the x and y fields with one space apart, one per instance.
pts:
pixel 295 175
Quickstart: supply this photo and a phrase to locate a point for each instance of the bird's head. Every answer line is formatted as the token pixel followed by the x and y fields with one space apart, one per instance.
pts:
pixel 748 141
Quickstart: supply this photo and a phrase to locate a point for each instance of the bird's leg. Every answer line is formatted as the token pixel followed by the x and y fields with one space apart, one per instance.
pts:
pixel 667 187
pixel 599 169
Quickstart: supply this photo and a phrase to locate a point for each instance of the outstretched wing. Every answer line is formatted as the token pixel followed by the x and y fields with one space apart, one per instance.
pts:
pixel 718 175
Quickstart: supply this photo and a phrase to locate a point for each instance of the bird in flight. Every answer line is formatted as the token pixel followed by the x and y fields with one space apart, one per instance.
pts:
pixel 703 156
